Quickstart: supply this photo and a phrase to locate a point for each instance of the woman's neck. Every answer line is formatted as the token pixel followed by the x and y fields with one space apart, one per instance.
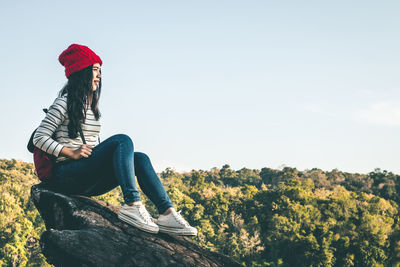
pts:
pixel 90 99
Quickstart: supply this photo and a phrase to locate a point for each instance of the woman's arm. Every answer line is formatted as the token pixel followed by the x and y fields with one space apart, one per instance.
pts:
pixel 43 137
pixel 53 119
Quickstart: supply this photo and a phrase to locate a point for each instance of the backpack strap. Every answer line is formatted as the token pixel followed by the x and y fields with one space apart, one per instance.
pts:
pixel 82 136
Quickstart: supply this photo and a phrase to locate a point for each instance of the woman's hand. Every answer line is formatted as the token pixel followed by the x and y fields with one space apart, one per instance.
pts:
pixel 83 152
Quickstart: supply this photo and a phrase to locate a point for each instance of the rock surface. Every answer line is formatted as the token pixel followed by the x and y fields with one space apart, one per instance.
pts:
pixel 81 231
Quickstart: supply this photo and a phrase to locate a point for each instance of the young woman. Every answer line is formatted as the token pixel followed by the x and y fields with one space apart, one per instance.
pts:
pixel 96 167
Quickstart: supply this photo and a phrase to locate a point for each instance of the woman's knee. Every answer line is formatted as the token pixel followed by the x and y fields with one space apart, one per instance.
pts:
pixel 141 157
pixel 123 139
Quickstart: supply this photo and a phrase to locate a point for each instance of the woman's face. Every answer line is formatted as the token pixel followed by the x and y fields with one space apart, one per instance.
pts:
pixel 96 76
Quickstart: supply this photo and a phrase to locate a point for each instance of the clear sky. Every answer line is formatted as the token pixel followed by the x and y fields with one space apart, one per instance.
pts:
pixel 199 84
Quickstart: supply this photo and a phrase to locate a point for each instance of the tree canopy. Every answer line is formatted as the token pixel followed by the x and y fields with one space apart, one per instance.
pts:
pixel 266 217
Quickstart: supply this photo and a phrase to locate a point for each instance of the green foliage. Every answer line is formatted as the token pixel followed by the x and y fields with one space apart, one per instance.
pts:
pixel 261 217
pixel 20 223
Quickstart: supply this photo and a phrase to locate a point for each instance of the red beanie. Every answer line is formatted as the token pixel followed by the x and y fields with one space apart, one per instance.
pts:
pixel 77 57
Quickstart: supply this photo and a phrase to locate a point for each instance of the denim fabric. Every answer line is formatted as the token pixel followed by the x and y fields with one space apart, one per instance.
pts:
pixel 113 162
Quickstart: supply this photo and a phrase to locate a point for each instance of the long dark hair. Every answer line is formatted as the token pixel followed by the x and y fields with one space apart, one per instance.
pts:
pixel 78 90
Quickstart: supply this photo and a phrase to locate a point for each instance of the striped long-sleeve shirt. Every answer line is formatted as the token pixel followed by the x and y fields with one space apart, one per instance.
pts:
pixel 56 122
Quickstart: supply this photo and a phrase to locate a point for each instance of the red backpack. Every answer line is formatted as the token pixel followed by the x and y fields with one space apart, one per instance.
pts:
pixel 44 162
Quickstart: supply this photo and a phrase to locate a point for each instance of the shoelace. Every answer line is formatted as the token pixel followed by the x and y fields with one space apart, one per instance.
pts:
pixel 179 218
pixel 144 213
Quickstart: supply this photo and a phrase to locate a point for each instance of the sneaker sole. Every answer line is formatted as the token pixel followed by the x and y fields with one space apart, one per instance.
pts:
pixel 136 224
pixel 171 230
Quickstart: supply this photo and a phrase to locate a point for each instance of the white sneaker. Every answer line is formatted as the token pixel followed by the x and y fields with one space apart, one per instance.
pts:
pixel 173 223
pixel 137 215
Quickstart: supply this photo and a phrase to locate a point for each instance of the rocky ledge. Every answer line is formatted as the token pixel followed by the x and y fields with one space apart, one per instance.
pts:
pixel 81 231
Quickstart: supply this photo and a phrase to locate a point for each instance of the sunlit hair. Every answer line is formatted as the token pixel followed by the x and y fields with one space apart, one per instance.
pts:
pixel 78 90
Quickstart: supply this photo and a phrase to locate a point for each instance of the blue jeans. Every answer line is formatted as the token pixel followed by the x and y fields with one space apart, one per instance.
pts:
pixel 113 162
